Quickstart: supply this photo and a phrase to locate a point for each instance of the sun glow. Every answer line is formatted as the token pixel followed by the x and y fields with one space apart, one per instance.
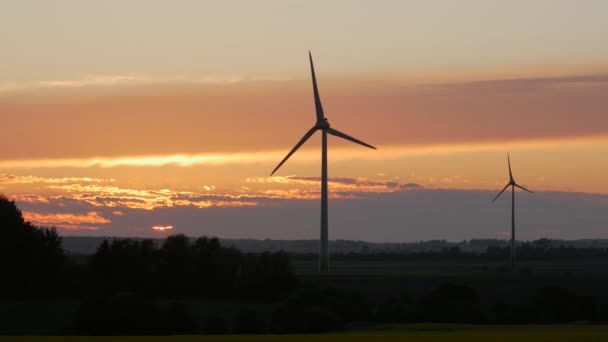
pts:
pixel 162 228
pixel 307 155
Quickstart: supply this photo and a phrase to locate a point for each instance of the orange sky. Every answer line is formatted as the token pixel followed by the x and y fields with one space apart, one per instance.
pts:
pixel 184 144
pixel 194 119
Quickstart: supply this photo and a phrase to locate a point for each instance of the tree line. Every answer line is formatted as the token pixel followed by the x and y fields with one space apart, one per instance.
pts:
pixel 34 265
pixel 529 251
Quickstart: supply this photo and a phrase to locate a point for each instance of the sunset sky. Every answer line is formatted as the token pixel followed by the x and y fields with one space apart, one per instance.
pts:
pixel 125 117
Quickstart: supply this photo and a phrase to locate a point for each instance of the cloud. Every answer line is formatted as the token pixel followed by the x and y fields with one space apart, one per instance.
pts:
pixel 287 207
pixel 525 84
pixel 149 199
pixel 90 195
pixel 131 79
pixel 64 220
pixel 357 182
pixel 14 179
pixel 390 216
pixel 305 188
pixel 410 186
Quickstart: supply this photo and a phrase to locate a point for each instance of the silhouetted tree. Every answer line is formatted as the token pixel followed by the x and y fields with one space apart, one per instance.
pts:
pixel 216 268
pixel 124 265
pixel 266 276
pixel 31 258
pixel 177 267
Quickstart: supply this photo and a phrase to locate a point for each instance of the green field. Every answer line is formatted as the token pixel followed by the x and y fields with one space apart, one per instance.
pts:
pixel 383 279
pixel 377 283
pixel 372 268
pixel 415 332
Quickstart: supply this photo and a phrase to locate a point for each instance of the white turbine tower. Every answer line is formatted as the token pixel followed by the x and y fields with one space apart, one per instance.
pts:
pixel 323 125
pixel 513 185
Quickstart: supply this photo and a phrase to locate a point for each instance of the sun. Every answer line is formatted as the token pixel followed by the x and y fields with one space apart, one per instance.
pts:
pixel 162 228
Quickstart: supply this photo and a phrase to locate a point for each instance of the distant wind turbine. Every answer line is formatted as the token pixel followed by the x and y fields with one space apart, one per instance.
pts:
pixel 323 125
pixel 513 185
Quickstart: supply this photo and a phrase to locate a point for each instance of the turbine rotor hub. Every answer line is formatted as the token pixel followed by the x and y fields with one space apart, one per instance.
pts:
pixel 323 124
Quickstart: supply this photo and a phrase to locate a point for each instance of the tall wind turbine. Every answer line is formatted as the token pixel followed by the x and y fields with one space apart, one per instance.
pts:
pixel 513 185
pixel 323 125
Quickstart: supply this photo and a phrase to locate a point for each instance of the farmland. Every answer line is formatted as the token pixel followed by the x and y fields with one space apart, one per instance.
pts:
pixel 414 333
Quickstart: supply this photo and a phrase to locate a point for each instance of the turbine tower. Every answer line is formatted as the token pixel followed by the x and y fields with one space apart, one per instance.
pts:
pixel 323 125
pixel 513 185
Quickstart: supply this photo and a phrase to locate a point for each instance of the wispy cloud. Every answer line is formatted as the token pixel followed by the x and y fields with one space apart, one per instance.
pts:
pixel 132 79
pixel 523 84
pixel 63 220
pixel 398 216
pixel 15 179
pixel 116 197
pixel 337 184
pixel 111 208
pixel 91 196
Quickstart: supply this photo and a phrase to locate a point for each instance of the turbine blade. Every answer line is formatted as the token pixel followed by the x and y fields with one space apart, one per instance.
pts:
pixel 500 193
pixel 348 137
pixel 318 106
pixel 509 162
pixel 521 187
pixel 300 143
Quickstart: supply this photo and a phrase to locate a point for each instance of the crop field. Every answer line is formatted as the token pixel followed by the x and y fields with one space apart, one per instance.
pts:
pixel 413 333
pixel 456 268
pixel 377 283
pixel 382 279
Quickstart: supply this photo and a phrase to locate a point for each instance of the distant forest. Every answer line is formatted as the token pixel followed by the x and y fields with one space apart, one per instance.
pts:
pixel 431 249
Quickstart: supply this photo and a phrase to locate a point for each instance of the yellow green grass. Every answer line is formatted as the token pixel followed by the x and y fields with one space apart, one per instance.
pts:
pixel 410 333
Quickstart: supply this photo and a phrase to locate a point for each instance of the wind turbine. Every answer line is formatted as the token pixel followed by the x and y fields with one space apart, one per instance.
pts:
pixel 513 185
pixel 323 125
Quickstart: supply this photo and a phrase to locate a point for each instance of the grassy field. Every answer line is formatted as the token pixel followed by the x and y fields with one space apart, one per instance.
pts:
pixel 415 332
pixel 377 282
pixel 381 280
pixel 454 268
pixel 52 317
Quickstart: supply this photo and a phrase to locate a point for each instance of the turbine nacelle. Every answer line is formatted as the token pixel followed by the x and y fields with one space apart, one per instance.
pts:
pixel 322 124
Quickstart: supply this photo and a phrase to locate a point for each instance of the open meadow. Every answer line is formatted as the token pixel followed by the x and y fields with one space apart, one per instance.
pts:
pixel 413 333
pixel 377 284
